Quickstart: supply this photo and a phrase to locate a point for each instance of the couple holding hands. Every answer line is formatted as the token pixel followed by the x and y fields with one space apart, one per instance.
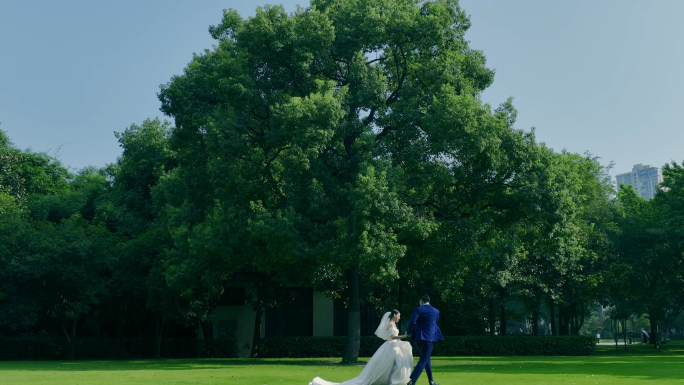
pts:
pixel 392 362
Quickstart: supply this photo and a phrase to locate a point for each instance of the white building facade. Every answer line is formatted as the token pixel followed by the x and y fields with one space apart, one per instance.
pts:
pixel 643 178
pixel 308 313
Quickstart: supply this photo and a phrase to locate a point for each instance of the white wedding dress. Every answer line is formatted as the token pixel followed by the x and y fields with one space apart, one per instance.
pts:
pixel 390 365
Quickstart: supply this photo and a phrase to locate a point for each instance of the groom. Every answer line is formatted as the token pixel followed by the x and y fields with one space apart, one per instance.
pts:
pixel 423 326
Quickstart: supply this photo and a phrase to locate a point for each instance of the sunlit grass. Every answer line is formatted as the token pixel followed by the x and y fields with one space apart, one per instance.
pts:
pixel 639 364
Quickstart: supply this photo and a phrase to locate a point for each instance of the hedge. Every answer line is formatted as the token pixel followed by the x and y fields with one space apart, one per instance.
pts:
pixel 309 347
pixel 523 345
pixel 57 348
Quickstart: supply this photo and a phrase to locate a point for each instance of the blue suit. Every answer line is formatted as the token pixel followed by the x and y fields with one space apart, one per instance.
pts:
pixel 423 326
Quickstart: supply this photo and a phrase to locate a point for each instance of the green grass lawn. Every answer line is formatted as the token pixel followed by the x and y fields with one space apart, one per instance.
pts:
pixel 638 365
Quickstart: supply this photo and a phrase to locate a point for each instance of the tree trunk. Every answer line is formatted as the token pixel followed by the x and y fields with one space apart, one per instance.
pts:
pixel 71 338
pixel 159 333
pixel 491 318
pixel 351 353
pixel 66 333
pixel 72 350
pixel 535 323
pixel 119 328
pixel 571 325
pixel 655 338
pixel 207 330
pixel 581 322
pixel 552 316
pixel 624 332
pixel 98 328
pixel 615 328
pixel 502 309
pixel 573 322
pixel 257 332
pixel 401 297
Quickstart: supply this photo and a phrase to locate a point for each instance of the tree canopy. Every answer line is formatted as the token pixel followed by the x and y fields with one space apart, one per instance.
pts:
pixel 345 147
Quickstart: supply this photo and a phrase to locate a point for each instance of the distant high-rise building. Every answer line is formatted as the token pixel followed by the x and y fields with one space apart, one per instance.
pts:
pixel 643 178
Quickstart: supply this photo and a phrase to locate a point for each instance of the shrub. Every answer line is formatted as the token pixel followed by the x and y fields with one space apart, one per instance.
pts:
pixel 33 348
pixel 309 347
pixel 524 345
pixel 57 348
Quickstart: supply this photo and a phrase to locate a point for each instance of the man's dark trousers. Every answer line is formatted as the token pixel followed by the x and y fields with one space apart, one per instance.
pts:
pixel 425 349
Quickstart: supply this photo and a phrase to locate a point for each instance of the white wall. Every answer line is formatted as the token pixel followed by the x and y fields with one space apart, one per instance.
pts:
pixel 322 315
pixel 243 316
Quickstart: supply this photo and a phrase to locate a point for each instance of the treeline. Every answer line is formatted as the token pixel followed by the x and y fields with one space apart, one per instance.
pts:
pixel 344 147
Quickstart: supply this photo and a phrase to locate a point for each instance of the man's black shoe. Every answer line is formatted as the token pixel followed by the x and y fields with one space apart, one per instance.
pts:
pixel 411 383
pixel 433 383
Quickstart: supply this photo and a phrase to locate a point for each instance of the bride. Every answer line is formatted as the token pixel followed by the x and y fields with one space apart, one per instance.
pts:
pixel 392 362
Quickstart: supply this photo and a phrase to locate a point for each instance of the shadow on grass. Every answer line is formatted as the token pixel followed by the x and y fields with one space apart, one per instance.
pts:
pixel 673 347
pixel 637 361
pixel 651 369
pixel 169 364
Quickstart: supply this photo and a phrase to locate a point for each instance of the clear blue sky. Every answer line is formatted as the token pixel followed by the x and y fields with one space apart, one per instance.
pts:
pixel 600 76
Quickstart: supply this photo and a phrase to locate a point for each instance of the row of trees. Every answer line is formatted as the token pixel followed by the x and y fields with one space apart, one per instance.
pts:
pixel 344 146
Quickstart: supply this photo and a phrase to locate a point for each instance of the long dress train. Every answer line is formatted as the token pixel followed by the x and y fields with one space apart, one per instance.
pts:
pixel 390 365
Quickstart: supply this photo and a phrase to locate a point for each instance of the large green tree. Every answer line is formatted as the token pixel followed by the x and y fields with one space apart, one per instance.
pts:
pixel 671 202
pixel 649 250
pixel 26 179
pixel 18 307
pixel 132 211
pixel 55 260
pixel 71 263
pixel 25 173
pixel 349 129
pixel 568 249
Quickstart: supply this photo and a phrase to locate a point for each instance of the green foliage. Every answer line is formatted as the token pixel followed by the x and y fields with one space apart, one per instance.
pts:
pixel 128 207
pixel 55 261
pixel 84 190
pixel 23 173
pixel 348 138
pixel 345 146
pixel 68 268
pixel 5 143
pixel 646 270
pixel 570 257
pixel 17 309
